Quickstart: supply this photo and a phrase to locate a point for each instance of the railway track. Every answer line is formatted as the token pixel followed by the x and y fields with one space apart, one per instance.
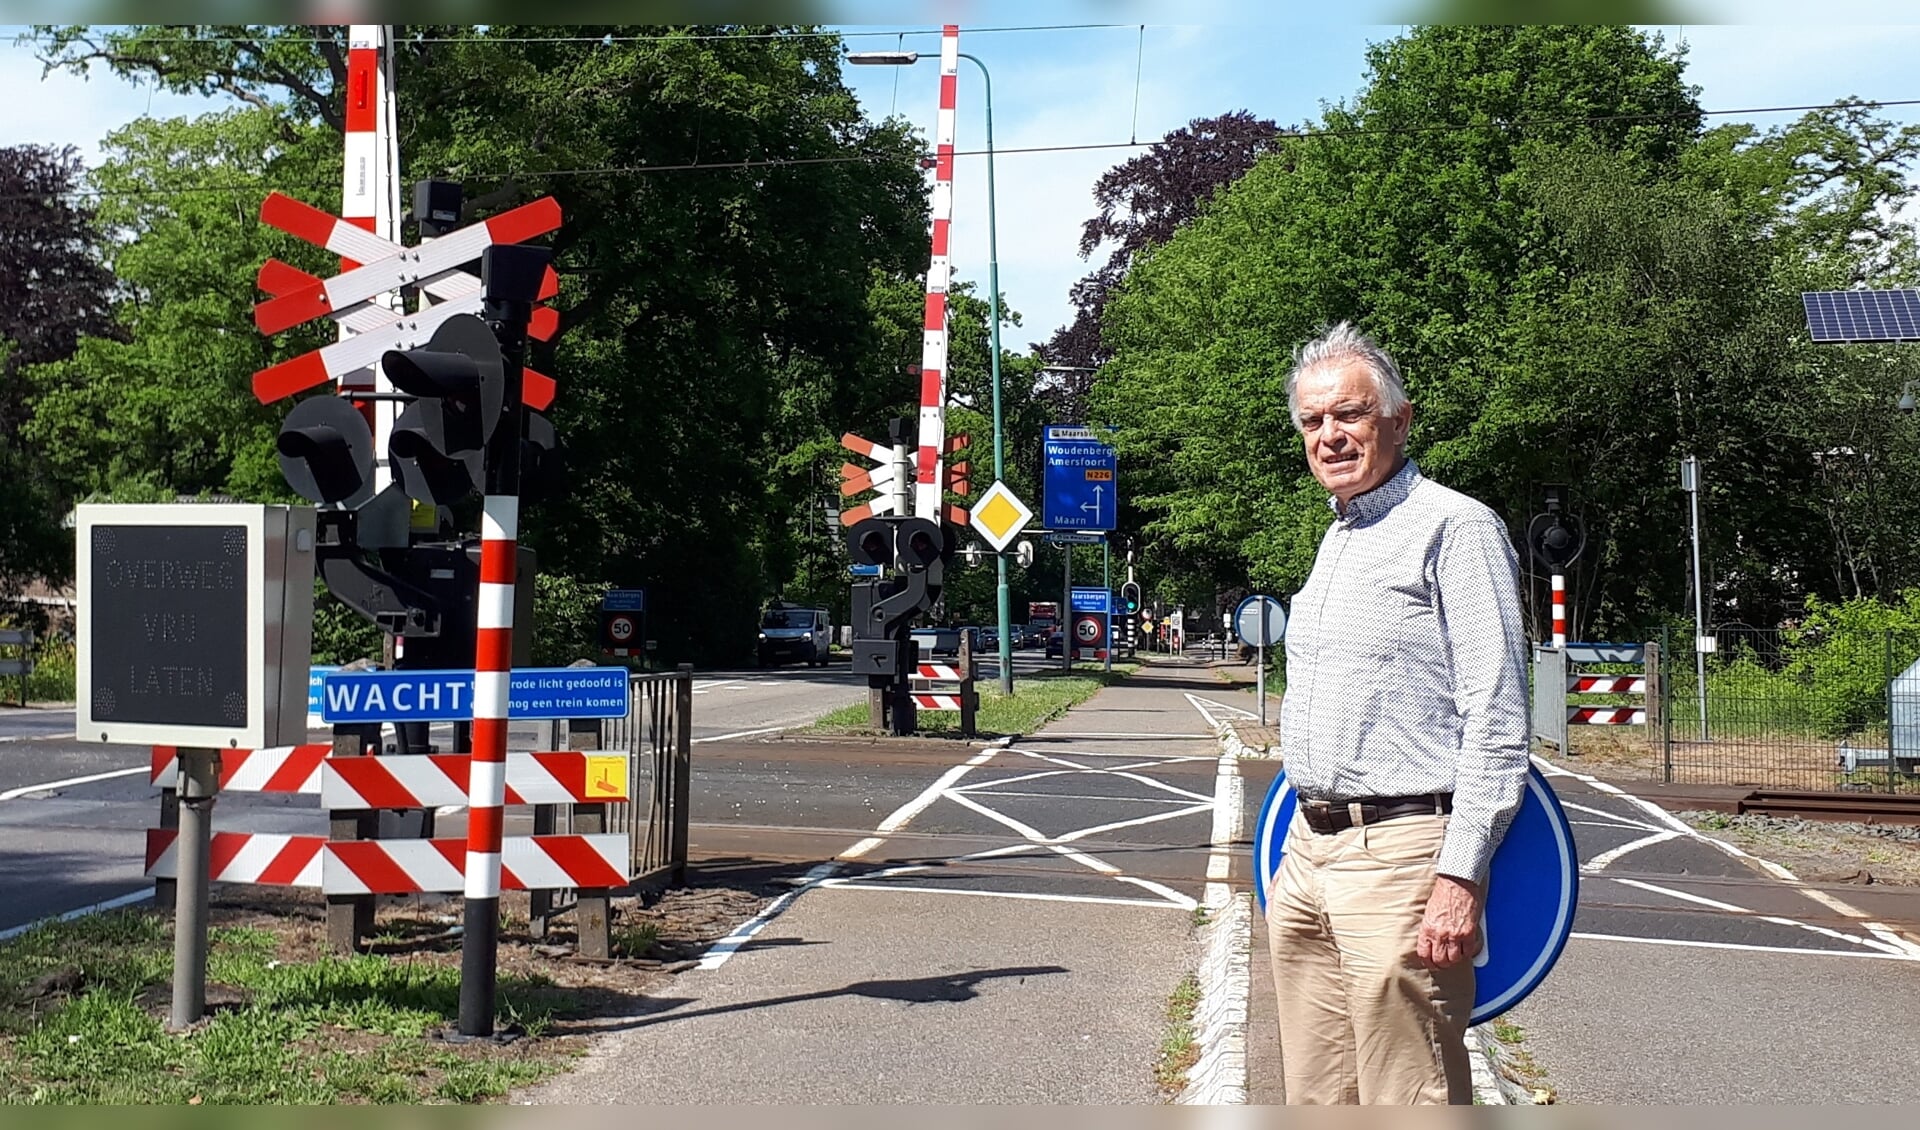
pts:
pixel 1865 808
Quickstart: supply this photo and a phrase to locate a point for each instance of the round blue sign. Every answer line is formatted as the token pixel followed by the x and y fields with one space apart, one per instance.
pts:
pixel 1532 890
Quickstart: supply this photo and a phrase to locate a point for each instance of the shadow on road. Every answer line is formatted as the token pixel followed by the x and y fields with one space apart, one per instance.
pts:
pixel 952 988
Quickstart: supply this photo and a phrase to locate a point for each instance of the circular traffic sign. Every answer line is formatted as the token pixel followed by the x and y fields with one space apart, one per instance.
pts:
pixel 620 628
pixel 1532 890
pixel 1260 621
pixel 1087 629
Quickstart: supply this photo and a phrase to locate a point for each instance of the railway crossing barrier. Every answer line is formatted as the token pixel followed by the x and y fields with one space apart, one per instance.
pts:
pixel 592 831
pixel 942 686
pixel 1556 674
pixel 21 662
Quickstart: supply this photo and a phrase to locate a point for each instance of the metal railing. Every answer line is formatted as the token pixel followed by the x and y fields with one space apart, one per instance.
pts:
pixel 1794 710
pixel 657 735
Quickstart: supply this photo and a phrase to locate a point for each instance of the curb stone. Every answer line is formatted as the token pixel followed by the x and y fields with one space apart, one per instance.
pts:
pixel 1219 1076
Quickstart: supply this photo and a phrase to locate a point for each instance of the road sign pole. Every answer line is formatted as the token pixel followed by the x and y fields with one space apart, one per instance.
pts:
pixel 199 781
pixel 1066 607
pixel 1106 582
pixel 492 674
pixel 1261 675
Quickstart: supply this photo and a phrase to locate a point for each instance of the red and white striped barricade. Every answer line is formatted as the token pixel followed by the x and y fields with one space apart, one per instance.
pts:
pixel 403 781
pixel 941 686
pixel 1555 677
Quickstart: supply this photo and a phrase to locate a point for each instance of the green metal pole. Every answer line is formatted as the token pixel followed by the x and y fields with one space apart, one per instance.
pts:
pixel 1106 582
pixel 1002 595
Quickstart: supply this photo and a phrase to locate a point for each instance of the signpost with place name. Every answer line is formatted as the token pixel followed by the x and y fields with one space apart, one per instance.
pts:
pixel 356 697
pixel 1080 487
pixel 1533 890
pixel 1092 616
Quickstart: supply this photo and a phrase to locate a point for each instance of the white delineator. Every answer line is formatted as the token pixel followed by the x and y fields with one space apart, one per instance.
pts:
pixel 1559 611
pixel 928 481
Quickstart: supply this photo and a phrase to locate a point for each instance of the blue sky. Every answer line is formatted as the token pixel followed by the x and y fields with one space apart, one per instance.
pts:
pixel 1107 85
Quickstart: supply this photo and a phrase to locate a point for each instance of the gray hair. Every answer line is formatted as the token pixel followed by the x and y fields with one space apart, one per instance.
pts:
pixel 1341 344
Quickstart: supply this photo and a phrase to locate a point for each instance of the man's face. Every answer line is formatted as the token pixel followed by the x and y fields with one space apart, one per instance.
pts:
pixel 1351 447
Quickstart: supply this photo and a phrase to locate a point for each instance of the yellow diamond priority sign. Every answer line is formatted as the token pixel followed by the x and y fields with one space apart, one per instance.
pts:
pixel 999 515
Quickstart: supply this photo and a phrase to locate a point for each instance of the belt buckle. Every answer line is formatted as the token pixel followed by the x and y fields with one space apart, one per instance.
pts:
pixel 1318 814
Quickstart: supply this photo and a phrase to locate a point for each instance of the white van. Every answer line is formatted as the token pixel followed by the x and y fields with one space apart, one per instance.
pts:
pixel 791 632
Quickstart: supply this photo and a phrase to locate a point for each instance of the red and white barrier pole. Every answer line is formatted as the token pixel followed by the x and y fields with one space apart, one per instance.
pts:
pixel 929 483
pixel 492 674
pixel 1559 611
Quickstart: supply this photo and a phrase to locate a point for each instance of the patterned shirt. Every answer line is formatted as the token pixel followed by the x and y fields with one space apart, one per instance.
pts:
pixel 1406 663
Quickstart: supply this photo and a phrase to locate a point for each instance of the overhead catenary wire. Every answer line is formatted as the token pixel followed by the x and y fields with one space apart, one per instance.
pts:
pixel 1007 151
pixel 665 37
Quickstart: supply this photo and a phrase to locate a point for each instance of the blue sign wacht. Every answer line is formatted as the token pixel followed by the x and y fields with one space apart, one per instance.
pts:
pixel 447 696
pixel 1080 487
pixel 1533 888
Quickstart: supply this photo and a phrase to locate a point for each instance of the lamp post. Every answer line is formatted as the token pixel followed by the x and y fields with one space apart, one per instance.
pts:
pixel 1003 599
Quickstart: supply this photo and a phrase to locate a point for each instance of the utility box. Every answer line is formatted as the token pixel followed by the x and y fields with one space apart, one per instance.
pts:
pixel 194 624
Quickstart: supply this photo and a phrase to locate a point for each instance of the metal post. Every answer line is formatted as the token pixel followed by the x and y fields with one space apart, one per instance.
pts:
pixel 350 917
pixel 1559 610
pixel 1106 584
pixel 1066 608
pixel 966 663
pixel 1261 668
pixel 493 663
pixel 1893 766
pixel 1666 705
pixel 199 781
pixel 591 909
pixel 1690 481
pixel 682 768
pixel 166 891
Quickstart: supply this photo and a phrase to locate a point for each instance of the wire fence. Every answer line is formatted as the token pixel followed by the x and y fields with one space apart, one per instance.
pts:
pixel 1778 709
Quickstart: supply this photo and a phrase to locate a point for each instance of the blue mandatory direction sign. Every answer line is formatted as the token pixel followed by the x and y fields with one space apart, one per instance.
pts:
pixel 1080 487
pixel 447 696
pixel 1532 890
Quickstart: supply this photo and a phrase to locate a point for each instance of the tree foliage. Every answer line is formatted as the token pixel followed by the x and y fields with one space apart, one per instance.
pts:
pixel 731 225
pixel 1581 285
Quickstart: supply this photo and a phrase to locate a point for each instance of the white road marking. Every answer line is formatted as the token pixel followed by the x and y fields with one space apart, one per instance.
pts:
pixel 1034 896
pixel 1831 902
pixel 1229 802
pixel 1599 862
pixel 27 790
pixel 1201 705
pixel 1692 944
pixel 96 908
pixel 1114 734
pixel 739 734
pixel 718 953
pixel 1716 904
pixel 1613 818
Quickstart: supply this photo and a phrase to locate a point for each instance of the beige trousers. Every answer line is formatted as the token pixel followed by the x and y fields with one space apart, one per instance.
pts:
pixel 1362 1019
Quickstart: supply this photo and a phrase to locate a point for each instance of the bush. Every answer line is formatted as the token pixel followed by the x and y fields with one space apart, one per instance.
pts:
pixel 53 674
pixel 566 619
pixel 1839 652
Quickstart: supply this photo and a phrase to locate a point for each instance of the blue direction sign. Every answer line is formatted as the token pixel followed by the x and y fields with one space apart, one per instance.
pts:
pixel 447 696
pixel 858 570
pixel 1080 488
pixel 1093 600
pixel 1532 890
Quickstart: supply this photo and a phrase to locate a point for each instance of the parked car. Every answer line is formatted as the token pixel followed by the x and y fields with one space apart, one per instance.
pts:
pixel 937 641
pixel 790 632
pixel 1054 646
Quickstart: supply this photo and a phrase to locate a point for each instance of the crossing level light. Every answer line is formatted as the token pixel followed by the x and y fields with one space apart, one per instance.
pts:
pixel 326 452
pixel 439 442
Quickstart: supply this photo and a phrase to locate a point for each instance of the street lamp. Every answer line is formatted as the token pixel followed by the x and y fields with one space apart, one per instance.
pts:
pixel 1004 600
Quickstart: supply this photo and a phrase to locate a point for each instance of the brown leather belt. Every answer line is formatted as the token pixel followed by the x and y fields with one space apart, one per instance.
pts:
pixel 1329 816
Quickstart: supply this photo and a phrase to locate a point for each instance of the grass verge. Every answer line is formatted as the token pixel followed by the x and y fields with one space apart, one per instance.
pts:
pixel 1036 700
pixel 83 1006
pixel 1178 1049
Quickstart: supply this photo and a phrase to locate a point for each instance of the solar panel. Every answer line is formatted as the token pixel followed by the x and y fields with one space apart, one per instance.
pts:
pixel 1863 315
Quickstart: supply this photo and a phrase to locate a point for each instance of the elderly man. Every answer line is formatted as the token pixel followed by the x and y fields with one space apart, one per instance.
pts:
pixel 1405 738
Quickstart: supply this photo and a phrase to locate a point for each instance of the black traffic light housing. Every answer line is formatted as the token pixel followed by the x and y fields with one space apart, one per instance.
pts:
pixel 326 452
pixel 439 443
pixel 1556 539
pixel 1130 598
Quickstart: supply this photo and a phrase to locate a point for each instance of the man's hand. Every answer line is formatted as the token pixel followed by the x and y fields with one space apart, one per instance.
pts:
pixel 1450 932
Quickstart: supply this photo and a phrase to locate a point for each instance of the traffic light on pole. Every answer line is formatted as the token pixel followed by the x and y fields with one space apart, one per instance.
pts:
pixel 1130 597
pixel 439 443
pixel 326 452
